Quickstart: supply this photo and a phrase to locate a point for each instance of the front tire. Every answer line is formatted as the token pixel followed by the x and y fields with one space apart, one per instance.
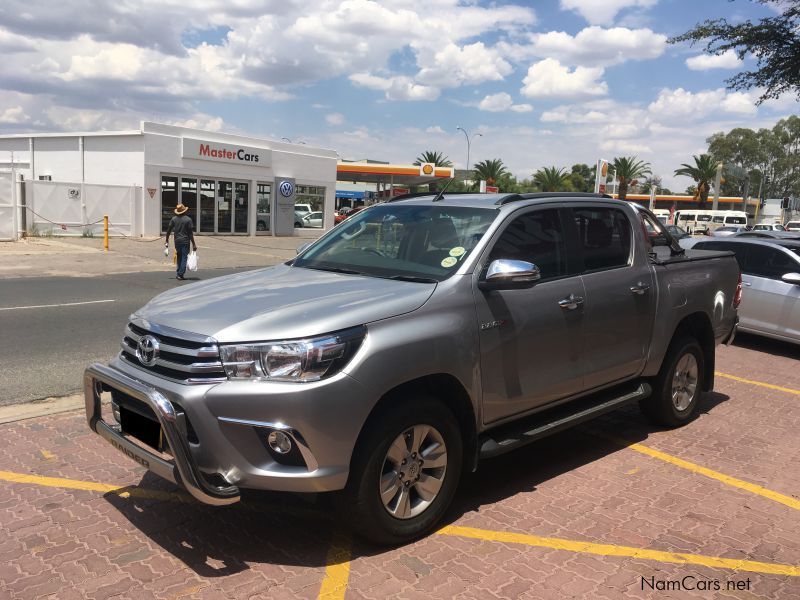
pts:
pixel 679 385
pixel 405 473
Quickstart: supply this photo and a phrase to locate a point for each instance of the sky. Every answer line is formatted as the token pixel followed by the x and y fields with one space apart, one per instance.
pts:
pixel 544 83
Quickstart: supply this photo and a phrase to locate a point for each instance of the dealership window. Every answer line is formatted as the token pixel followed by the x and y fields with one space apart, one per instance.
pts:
pixel 169 200
pixel 242 201
pixel 263 191
pixel 189 198
pixel 310 194
pixel 207 206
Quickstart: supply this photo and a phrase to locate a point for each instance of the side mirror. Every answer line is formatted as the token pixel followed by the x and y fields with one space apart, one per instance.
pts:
pixel 793 278
pixel 504 274
pixel 302 247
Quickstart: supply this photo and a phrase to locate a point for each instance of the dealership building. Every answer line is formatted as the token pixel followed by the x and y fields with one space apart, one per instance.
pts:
pixel 232 184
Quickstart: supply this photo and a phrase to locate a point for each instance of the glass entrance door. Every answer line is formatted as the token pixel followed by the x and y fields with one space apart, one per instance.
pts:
pixel 224 207
pixel 189 198
pixel 207 212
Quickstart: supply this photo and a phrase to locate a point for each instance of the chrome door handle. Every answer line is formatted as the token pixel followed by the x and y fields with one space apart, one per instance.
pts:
pixel 571 302
pixel 746 284
pixel 640 288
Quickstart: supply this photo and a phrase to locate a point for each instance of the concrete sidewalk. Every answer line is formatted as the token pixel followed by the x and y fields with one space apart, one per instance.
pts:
pixel 85 257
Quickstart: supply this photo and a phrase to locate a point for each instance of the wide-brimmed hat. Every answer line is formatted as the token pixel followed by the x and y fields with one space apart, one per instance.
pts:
pixel 180 209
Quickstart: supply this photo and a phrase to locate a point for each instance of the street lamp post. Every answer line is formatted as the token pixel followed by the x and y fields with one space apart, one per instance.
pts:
pixel 469 141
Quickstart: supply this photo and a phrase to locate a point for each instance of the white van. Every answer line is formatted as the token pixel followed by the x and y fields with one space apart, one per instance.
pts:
pixel 700 221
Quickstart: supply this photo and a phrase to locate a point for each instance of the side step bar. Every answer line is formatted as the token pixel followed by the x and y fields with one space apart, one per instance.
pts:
pixel 510 437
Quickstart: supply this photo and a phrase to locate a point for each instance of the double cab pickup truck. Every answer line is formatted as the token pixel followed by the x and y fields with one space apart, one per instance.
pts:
pixel 410 342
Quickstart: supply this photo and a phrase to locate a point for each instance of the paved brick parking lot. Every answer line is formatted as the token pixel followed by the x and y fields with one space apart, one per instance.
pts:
pixel 613 509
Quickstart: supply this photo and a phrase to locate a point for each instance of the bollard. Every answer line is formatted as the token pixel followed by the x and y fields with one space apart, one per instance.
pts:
pixel 105 233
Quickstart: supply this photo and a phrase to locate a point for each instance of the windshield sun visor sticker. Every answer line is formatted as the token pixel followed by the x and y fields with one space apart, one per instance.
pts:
pixel 457 251
pixel 449 261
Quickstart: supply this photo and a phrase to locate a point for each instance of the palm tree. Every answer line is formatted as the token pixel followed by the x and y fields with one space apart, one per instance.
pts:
pixel 626 170
pixel 551 179
pixel 432 156
pixel 490 170
pixel 703 172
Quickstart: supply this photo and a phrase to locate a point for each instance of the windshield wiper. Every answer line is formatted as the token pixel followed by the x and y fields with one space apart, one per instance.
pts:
pixel 413 278
pixel 335 270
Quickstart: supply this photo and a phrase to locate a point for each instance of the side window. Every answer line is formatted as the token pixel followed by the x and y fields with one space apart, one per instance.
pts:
pixel 604 237
pixel 535 237
pixel 740 250
pixel 768 262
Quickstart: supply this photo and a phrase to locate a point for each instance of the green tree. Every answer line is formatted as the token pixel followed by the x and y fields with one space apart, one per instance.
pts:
pixel 626 170
pixel 740 151
pixel 432 156
pixel 581 178
pixel 703 172
pixel 551 179
pixel 490 170
pixel 773 41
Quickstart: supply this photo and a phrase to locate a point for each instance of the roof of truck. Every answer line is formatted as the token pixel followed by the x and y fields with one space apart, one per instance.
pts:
pixel 477 200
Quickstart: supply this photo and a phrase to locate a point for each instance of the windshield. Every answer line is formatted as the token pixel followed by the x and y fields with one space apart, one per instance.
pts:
pixel 394 240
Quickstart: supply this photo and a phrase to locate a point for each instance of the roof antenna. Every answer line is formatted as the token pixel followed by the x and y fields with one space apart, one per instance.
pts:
pixel 441 193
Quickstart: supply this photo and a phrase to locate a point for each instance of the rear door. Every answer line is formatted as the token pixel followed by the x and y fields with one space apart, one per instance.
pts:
pixel 531 346
pixel 620 293
pixel 770 304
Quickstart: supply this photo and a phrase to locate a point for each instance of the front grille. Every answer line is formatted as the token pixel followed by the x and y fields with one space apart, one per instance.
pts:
pixel 179 359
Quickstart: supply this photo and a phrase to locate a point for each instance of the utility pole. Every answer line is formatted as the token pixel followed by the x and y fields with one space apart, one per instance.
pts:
pixel 717 181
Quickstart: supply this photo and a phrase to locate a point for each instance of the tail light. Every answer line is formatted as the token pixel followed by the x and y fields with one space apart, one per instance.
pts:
pixel 737 297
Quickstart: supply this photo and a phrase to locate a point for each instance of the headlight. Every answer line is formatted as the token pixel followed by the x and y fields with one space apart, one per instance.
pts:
pixel 293 360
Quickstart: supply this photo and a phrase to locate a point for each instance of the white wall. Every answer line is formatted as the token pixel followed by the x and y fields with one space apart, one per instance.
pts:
pixel 114 160
pixel 58 157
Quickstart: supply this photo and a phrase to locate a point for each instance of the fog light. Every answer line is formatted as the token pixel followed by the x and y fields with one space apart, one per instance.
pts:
pixel 115 412
pixel 279 442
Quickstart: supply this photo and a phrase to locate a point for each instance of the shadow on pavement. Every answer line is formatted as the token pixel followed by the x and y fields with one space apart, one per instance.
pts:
pixel 767 345
pixel 298 529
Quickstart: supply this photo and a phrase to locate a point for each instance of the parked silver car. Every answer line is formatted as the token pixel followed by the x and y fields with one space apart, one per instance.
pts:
pixel 771 284
pixel 409 342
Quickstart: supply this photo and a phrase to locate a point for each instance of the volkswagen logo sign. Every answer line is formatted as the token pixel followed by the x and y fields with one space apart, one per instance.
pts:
pixel 147 350
pixel 286 188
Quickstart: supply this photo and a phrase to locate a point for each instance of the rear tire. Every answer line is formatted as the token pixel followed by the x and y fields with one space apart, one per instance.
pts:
pixel 405 473
pixel 678 387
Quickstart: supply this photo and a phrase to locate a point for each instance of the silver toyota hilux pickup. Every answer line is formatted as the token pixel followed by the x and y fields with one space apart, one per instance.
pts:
pixel 408 343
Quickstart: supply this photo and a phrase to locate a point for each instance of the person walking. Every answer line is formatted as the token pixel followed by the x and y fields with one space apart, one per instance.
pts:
pixel 181 224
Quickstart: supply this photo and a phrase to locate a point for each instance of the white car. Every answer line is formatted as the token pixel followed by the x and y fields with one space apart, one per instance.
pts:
pixel 303 209
pixel 769 227
pixel 313 219
pixel 792 226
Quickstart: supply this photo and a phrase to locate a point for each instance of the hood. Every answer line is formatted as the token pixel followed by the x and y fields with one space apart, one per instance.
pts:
pixel 282 302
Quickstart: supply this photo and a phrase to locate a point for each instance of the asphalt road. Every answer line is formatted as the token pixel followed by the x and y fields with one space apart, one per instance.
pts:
pixel 52 331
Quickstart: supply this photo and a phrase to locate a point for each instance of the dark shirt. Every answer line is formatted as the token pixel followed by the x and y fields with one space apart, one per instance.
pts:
pixel 183 228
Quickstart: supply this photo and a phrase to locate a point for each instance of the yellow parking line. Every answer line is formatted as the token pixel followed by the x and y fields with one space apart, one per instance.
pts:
pixel 612 550
pixel 695 468
pixel 758 383
pixel 337 569
pixel 90 486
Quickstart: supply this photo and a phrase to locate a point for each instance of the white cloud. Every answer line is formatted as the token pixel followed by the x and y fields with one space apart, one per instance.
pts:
pixel 396 88
pixel 682 104
pixel 550 79
pixel 14 115
pixel 502 102
pixel 704 62
pixel 592 46
pixel 334 119
pixel 600 12
pixel 434 129
pixel 453 66
pixel 573 115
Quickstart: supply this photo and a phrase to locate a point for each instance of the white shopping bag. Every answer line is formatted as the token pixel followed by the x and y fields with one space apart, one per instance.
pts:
pixel 191 262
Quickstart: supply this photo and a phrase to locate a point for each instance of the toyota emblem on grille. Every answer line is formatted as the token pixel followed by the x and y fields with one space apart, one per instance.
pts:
pixel 147 350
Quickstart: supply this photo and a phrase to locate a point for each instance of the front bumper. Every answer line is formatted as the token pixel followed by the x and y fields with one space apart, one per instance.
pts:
pixel 217 433
pixel 182 470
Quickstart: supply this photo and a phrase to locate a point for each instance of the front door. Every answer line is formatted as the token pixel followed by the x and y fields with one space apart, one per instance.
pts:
pixel 530 345
pixel 224 206
pixel 769 304
pixel 620 294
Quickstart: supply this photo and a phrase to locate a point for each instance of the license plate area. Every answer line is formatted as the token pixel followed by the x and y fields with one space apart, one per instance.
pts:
pixel 143 429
